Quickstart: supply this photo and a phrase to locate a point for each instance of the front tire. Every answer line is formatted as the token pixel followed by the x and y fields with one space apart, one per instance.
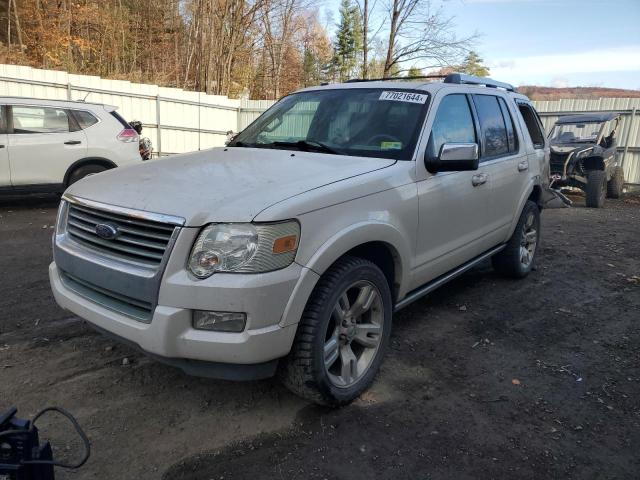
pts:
pixel 517 258
pixel 616 184
pixel 596 188
pixel 342 335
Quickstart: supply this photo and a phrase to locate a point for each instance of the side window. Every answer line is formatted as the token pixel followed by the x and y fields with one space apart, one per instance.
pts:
pixel 533 124
pixel 508 121
pixel 27 119
pixel 494 132
pixel 453 124
pixel 84 119
pixel 3 119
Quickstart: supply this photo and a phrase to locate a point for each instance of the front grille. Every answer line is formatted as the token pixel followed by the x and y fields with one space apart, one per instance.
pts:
pixel 557 162
pixel 137 309
pixel 139 241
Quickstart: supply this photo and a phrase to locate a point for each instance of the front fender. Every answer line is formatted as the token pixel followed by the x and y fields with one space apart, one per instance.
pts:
pixel 358 234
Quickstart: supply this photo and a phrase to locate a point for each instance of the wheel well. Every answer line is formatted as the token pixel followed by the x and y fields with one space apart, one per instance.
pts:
pixel 385 257
pixel 108 164
pixel 593 163
pixel 536 196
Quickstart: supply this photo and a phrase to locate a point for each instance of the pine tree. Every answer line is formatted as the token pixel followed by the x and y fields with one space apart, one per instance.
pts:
pixel 472 65
pixel 415 72
pixel 348 43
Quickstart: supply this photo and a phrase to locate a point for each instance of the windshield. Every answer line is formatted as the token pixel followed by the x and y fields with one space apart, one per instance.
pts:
pixel 359 122
pixel 575 133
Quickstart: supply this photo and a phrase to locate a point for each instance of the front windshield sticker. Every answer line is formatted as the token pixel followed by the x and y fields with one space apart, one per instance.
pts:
pixel 391 145
pixel 403 97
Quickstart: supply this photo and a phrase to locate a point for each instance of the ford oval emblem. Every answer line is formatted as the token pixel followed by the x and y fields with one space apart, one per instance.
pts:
pixel 107 231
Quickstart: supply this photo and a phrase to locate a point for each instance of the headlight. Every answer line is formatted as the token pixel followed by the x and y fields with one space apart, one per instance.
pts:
pixel 244 248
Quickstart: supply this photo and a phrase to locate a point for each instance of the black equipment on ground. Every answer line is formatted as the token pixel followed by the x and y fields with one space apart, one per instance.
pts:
pixel 22 456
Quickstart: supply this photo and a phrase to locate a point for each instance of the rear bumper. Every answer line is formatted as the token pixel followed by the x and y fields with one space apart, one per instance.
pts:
pixel 170 337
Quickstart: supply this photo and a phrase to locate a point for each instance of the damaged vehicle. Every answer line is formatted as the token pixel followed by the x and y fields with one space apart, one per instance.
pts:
pixel 288 251
pixel 583 155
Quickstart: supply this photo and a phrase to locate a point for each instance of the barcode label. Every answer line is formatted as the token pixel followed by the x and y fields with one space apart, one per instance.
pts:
pixel 403 97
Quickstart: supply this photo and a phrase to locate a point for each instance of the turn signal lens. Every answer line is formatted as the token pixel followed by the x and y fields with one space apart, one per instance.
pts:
pixel 285 244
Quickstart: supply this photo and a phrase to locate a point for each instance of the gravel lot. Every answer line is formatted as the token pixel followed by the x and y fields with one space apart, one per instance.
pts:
pixel 485 378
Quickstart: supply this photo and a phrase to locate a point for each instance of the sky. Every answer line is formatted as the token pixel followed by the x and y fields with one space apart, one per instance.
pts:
pixel 556 43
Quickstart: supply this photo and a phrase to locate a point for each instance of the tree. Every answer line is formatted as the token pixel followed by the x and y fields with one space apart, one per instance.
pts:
pixel 348 43
pixel 316 51
pixel 472 65
pixel 417 32
pixel 415 72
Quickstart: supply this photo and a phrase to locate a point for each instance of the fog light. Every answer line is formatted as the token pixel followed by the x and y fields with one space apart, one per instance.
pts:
pixel 219 321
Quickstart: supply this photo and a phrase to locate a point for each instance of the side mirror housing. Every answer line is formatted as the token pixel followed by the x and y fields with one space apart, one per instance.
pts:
pixel 454 157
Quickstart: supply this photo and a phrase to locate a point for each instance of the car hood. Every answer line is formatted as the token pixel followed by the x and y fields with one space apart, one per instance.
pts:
pixel 221 184
pixel 570 147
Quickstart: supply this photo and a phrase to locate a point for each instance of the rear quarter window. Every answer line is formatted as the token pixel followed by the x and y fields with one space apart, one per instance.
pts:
pixel 84 119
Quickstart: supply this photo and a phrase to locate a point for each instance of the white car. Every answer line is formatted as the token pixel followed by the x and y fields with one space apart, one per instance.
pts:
pixel 46 145
pixel 290 249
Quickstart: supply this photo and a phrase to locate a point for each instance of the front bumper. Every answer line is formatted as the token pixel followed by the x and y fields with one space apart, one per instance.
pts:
pixel 271 301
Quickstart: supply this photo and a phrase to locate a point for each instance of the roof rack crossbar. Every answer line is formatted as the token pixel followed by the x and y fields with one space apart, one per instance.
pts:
pixel 383 79
pixel 461 78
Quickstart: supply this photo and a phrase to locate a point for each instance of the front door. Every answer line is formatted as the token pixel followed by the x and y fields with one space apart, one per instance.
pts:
pixel 41 145
pixel 453 206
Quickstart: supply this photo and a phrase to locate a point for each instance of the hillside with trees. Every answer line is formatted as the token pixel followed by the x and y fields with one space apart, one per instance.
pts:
pixel 260 48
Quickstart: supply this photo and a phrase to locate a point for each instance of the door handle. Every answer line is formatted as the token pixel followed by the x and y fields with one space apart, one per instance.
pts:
pixel 479 179
pixel 523 165
pixel 1 146
pixel 72 142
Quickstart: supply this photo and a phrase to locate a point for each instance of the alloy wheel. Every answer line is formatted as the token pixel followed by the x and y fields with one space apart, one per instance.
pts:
pixel 354 333
pixel 529 240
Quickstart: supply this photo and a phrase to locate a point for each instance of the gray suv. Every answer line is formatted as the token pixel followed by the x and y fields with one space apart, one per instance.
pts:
pixel 289 250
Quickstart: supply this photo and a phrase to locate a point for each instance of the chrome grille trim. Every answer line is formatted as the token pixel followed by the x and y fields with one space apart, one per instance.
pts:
pixel 134 214
pixel 143 239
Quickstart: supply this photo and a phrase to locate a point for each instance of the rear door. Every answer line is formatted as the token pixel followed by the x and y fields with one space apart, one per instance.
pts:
pixel 5 171
pixel 43 143
pixel 504 161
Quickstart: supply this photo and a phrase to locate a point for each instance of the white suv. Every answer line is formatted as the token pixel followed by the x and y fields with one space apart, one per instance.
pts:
pixel 46 145
pixel 289 250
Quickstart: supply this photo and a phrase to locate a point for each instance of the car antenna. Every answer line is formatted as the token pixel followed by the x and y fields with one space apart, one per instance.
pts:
pixel 85 97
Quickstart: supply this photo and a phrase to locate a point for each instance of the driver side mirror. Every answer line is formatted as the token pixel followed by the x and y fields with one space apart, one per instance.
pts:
pixel 454 157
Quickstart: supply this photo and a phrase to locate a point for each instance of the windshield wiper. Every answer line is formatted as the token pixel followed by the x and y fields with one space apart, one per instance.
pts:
pixel 241 144
pixel 307 145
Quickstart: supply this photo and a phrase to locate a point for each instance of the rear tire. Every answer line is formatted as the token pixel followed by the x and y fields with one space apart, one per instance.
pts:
pixel 84 171
pixel 596 188
pixel 518 257
pixel 340 341
pixel 616 184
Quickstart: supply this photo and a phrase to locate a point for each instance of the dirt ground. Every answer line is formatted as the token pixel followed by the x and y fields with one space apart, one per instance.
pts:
pixel 485 378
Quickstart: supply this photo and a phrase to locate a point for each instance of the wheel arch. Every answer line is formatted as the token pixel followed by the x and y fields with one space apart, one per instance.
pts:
pixel 108 164
pixel 533 192
pixel 379 242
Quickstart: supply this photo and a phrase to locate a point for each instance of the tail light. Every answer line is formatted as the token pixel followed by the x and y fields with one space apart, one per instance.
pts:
pixel 128 135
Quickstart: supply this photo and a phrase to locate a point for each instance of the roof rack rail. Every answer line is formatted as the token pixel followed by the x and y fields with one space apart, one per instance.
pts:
pixel 383 79
pixel 461 78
